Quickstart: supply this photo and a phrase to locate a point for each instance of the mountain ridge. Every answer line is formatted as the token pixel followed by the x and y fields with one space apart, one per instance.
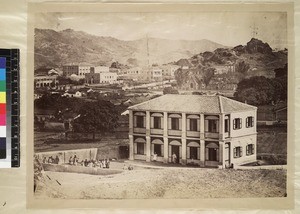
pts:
pixel 56 48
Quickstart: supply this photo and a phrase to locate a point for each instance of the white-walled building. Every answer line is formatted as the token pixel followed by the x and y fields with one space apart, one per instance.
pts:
pixel 45 81
pixel 101 69
pixel 210 131
pixel 108 77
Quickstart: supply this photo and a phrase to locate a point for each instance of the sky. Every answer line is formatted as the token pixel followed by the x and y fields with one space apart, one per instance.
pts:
pixel 226 28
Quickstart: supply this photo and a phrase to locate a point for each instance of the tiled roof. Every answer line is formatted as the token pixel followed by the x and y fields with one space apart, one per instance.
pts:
pixel 193 104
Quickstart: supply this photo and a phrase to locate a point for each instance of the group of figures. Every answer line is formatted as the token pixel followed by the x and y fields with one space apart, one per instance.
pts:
pixel 74 160
pixel 104 163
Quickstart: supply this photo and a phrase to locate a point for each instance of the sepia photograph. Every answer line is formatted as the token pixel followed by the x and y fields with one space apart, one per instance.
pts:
pixel 160 105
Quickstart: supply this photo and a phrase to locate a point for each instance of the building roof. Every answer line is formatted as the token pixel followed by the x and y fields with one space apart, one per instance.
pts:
pixel 193 104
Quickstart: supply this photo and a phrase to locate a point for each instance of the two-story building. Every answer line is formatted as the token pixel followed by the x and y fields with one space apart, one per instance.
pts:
pixel 210 131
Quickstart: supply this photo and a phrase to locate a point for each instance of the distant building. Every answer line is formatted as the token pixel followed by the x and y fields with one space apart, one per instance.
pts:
pixel 224 69
pixel 44 81
pixel 96 78
pixel 110 78
pixel 101 69
pixel 68 70
pixel 210 131
pixel 92 78
pixel 157 74
pixel 84 69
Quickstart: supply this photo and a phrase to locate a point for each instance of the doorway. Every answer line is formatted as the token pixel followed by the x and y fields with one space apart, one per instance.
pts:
pixel 175 150
pixel 212 154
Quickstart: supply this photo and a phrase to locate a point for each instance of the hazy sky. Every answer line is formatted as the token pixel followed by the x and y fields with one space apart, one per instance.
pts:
pixel 227 28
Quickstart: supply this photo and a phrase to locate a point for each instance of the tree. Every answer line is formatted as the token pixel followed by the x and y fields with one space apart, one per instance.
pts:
pixel 242 67
pixel 100 116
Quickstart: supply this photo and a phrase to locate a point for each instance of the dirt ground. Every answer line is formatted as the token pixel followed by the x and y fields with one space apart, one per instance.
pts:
pixel 164 183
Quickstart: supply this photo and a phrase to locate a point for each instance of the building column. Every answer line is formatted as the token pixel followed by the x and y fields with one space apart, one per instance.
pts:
pixel 130 122
pixel 148 140
pixel 202 128
pixel 183 139
pixel 221 155
pixel 221 126
pixel 131 148
pixel 148 149
pixel 202 153
pixel 166 150
pixel 166 142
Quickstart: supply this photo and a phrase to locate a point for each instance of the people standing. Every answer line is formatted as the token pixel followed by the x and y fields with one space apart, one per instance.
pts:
pixel 174 158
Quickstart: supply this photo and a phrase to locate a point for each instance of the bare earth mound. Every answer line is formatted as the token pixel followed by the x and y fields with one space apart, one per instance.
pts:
pixel 164 183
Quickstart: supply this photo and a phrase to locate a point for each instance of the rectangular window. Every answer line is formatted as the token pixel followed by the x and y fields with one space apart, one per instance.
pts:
pixel 237 123
pixel 140 148
pixel 212 126
pixel 193 124
pixel 140 121
pixel 226 128
pixel 157 149
pixel 250 149
pixel 175 123
pixel 237 152
pixel 249 122
pixel 193 153
pixel 157 122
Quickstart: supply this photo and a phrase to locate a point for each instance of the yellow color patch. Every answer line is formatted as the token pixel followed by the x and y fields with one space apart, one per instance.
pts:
pixel 2 97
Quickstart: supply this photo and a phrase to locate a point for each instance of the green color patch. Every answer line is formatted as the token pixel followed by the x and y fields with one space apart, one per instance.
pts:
pixel 2 85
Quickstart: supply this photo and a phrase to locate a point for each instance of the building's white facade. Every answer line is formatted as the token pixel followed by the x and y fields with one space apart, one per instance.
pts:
pixel 101 69
pixel 44 81
pixel 209 131
pixel 108 77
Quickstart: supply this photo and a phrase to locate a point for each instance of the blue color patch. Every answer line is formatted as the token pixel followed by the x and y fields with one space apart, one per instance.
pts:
pixel 2 74
pixel 2 62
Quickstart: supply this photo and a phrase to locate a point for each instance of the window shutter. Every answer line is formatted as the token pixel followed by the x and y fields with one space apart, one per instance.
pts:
pixel 170 153
pixel 240 123
pixel 144 124
pixel 234 123
pixel 169 123
pixel 134 121
pixel 217 126
pixel 180 124
pixel 180 151
pixel 241 153
pixel 162 150
pixel 252 121
pixel 188 155
pixel 135 148
pixel 218 155
pixel 152 122
pixel 144 146
pixel 247 150
pixel 206 153
pixel 162 122
pixel 198 153
pixel 206 125
pixel 247 121
pixel 253 149
pixel 198 124
pixel 188 125
pixel 234 152
pixel 152 149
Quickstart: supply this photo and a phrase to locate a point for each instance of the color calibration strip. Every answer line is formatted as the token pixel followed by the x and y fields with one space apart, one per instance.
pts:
pixel 9 108
pixel 2 108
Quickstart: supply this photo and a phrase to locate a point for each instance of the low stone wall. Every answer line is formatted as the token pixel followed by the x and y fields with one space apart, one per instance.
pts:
pixel 79 169
pixel 64 156
pixel 262 167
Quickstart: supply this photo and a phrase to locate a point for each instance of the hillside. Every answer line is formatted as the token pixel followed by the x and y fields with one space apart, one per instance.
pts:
pixel 54 49
pixel 256 58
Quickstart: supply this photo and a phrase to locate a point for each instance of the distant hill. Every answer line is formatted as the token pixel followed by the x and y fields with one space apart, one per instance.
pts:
pixel 253 59
pixel 56 48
